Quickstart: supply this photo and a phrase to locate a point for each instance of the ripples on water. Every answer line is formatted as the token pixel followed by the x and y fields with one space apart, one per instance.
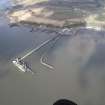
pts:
pixel 79 63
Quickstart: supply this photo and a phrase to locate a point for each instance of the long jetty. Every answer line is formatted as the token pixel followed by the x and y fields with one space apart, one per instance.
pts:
pixel 40 46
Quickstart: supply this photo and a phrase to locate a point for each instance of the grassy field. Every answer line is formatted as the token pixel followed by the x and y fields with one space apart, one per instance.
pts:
pixel 62 13
pixel 29 2
pixel 57 12
pixel 51 14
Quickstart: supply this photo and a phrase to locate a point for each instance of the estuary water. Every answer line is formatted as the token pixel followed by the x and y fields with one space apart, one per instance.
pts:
pixel 78 61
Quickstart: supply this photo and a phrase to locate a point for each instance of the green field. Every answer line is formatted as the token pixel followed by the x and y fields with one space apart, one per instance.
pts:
pixel 28 2
pixel 66 13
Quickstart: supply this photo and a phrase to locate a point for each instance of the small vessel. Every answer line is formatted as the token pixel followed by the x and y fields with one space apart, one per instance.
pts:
pixel 22 65
pixel 94 28
pixel 65 31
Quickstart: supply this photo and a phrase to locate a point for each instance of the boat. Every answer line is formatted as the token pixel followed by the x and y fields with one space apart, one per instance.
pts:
pixel 22 66
pixel 94 28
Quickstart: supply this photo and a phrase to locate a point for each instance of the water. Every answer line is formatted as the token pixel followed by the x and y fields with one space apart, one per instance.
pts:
pixel 78 61
pixel 4 4
pixel 78 73
pixel 15 42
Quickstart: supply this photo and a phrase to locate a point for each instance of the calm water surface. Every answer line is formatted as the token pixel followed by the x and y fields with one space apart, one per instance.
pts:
pixel 78 74
pixel 78 61
pixel 79 67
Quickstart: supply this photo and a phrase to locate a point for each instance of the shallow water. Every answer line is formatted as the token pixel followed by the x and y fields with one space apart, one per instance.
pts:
pixel 78 73
pixel 15 87
pixel 78 61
